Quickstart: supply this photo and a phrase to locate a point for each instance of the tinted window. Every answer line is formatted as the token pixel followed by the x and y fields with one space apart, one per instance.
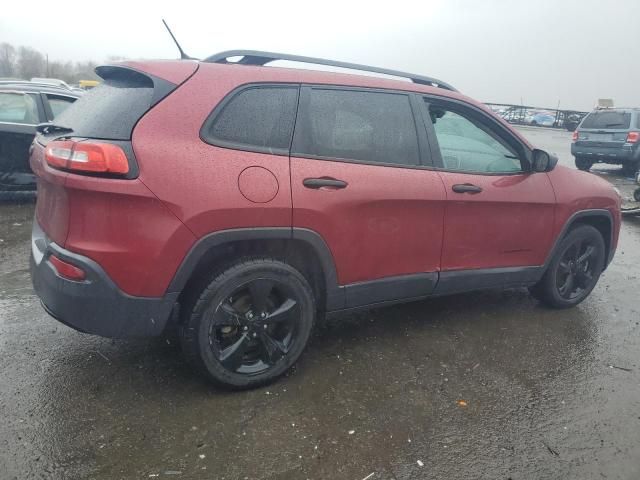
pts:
pixel 465 146
pixel 59 104
pixel 16 107
pixel 369 126
pixel 111 109
pixel 604 119
pixel 259 117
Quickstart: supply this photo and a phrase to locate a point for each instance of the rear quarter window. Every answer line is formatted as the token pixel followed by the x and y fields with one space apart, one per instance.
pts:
pixel 602 119
pixel 259 118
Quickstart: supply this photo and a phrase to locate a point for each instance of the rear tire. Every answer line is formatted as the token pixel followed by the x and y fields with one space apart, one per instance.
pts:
pixel 574 270
pixel 583 164
pixel 636 195
pixel 629 169
pixel 249 324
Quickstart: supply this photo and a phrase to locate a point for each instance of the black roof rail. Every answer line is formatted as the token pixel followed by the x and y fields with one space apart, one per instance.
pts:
pixel 255 57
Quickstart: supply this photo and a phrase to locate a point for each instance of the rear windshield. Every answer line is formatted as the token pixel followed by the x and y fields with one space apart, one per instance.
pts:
pixel 607 120
pixel 110 110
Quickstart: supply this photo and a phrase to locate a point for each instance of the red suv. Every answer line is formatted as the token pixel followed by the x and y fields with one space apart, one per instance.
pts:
pixel 238 202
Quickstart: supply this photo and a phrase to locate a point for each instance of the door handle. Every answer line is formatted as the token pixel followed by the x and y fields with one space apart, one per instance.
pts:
pixel 316 183
pixel 466 188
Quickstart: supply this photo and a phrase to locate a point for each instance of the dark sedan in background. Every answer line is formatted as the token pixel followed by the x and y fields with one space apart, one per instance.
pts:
pixel 23 105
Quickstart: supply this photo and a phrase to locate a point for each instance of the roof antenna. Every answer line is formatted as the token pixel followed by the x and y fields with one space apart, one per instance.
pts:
pixel 183 56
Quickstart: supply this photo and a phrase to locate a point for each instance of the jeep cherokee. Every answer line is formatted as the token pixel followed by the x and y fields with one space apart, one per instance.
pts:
pixel 238 202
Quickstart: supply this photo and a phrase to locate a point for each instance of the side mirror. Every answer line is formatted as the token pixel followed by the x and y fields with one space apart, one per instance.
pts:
pixel 542 161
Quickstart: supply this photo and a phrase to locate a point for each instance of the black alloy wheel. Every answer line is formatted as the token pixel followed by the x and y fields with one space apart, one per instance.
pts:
pixel 574 268
pixel 254 327
pixel 250 324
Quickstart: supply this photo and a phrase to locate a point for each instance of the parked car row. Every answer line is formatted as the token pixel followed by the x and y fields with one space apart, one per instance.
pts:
pixel 23 105
pixel 523 115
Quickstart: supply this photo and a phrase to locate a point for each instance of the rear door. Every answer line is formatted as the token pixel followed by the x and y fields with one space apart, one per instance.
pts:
pixel 360 178
pixel 498 214
pixel 20 112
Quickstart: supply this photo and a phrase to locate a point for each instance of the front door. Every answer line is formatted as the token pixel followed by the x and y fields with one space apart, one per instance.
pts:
pixel 499 214
pixel 358 179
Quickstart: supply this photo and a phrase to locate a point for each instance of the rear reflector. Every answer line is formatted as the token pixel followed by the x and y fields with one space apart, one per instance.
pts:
pixel 85 156
pixel 66 270
pixel 633 137
pixel 574 136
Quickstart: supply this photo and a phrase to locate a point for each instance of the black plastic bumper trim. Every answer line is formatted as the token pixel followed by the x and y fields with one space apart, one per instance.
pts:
pixel 95 305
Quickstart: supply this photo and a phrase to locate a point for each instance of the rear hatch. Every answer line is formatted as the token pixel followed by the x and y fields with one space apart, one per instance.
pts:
pixel 106 115
pixel 604 128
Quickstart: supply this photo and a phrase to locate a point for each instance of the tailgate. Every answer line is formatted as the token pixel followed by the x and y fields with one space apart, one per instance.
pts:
pixel 108 112
pixel 602 138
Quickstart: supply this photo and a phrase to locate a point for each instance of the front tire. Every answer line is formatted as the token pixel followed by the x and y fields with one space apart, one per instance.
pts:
pixel 250 324
pixel 574 270
pixel 583 164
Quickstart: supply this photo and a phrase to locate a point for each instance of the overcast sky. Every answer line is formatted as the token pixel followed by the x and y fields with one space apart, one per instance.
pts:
pixel 540 51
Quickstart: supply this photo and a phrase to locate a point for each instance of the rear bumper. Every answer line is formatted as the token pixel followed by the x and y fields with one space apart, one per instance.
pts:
pixel 616 155
pixel 95 305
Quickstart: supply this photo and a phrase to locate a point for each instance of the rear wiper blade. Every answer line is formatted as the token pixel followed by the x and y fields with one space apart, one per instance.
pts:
pixel 614 124
pixel 51 128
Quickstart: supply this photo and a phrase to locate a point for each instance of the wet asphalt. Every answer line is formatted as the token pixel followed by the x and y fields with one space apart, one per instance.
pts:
pixel 486 385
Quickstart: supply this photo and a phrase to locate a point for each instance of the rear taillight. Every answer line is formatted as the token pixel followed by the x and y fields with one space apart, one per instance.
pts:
pixel 85 156
pixel 66 270
pixel 633 137
pixel 574 136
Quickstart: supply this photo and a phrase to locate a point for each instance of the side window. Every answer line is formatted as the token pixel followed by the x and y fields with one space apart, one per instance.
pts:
pixel 355 125
pixel 59 104
pixel 258 117
pixel 467 147
pixel 18 107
